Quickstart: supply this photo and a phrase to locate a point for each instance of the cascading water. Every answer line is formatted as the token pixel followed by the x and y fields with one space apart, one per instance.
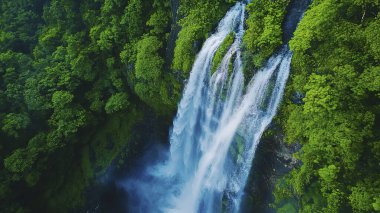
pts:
pixel 217 128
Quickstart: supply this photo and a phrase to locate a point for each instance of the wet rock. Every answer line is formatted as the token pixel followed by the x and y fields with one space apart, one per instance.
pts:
pixel 175 28
pixel 274 158
pixel 297 97
pixel 295 10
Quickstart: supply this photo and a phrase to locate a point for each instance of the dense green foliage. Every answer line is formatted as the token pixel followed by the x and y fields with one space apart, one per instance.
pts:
pixel 336 72
pixel 264 31
pixel 68 70
pixel 77 78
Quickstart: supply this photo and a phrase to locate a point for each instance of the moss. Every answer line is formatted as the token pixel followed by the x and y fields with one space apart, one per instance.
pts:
pixel 67 192
pixel 113 137
pixel 222 50
pixel 287 208
pixel 237 148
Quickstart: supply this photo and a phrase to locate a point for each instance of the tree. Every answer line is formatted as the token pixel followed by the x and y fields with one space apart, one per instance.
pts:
pixel 117 102
pixel 13 123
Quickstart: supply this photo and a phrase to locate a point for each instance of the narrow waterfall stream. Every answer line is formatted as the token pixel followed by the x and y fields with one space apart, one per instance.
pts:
pixel 216 131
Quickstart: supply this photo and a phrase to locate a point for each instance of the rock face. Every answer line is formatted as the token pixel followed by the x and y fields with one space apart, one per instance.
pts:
pixel 175 28
pixel 273 159
pixel 295 11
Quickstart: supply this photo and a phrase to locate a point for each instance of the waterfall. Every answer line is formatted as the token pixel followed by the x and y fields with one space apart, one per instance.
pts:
pixel 216 130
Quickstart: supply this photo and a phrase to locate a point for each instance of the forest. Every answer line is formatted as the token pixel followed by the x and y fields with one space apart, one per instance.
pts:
pixel 83 82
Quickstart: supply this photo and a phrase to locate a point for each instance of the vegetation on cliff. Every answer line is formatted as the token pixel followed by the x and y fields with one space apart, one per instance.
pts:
pixel 199 18
pixel 264 30
pixel 332 110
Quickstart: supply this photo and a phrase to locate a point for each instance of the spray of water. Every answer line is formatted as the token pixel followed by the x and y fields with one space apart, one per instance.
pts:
pixel 216 131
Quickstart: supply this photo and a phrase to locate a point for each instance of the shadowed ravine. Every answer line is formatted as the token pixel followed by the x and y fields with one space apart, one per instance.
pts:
pixel 216 131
